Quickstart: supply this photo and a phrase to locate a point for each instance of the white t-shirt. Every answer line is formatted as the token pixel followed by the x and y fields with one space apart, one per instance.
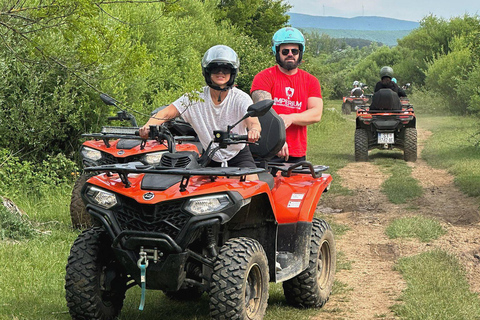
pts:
pixel 205 117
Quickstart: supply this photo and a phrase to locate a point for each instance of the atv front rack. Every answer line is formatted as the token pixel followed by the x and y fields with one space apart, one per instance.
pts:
pixel 130 133
pixel 123 169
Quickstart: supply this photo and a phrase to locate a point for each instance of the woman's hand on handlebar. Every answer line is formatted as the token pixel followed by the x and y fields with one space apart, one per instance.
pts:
pixel 253 135
pixel 144 131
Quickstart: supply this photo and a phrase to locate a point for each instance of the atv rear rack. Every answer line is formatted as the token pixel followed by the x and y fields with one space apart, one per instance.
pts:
pixel 303 167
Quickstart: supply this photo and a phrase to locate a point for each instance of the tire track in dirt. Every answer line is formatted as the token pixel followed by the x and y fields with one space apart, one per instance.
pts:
pixel 373 287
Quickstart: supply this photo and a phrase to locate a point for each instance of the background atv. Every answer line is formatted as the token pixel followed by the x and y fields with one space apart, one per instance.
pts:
pixel 121 145
pixel 352 102
pixel 186 229
pixel 388 123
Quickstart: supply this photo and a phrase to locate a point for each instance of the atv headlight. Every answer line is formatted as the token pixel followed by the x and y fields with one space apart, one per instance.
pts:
pixel 205 205
pixel 154 157
pixel 101 197
pixel 91 154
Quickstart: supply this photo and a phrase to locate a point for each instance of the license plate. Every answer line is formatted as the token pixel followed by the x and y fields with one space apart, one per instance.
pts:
pixel 386 138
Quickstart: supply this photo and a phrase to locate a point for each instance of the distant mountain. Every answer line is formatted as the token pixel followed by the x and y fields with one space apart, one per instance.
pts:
pixel 373 23
pixel 377 29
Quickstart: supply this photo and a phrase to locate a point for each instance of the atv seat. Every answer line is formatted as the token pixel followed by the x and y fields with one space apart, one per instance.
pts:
pixel 271 142
pixel 385 99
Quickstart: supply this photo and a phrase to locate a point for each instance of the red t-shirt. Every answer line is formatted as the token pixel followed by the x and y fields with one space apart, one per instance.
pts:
pixel 290 94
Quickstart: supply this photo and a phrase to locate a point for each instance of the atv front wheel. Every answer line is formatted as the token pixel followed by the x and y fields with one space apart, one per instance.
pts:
pixel 361 145
pixel 346 108
pixel 78 213
pixel 410 147
pixel 239 285
pixel 94 284
pixel 312 287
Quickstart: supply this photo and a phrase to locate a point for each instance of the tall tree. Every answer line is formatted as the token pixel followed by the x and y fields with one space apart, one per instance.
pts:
pixel 256 18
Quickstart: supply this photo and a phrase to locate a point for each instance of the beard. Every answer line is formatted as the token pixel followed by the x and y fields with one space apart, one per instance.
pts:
pixel 289 65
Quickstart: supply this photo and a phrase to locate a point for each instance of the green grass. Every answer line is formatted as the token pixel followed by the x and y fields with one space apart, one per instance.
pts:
pixel 436 289
pixel 33 271
pixel 415 227
pixel 330 142
pixel 452 147
pixel 400 186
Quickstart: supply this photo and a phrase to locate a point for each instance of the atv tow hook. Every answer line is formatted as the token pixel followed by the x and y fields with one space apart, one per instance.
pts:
pixel 142 264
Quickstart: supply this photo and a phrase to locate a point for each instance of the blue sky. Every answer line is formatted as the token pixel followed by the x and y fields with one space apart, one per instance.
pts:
pixel 412 10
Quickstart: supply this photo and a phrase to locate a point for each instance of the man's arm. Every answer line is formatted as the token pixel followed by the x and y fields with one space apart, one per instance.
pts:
pixel 259 95
pixel 313 114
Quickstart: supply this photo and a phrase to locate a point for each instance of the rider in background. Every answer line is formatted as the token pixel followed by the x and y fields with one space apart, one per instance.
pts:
pixel 357 90
pixel 386 76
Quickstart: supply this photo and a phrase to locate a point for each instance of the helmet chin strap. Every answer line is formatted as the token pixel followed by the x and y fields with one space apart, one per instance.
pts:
pixel 219 89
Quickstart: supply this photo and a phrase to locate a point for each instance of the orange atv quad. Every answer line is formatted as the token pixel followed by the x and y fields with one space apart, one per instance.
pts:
pixel 187 229
pixel 121 145
pixel 387 124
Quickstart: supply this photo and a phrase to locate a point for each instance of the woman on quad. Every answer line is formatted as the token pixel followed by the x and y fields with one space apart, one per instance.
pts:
pixel 217 105
pixel 386 76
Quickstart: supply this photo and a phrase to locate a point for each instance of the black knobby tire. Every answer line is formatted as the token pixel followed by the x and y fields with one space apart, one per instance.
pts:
pixel 78 213
pixel 346 108
pixel 361 145
pixel 410 147
pixel 239 284
pixel 91 262
pixel 312 287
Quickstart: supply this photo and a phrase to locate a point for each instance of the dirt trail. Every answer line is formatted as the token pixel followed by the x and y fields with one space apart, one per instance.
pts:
pixel 372 284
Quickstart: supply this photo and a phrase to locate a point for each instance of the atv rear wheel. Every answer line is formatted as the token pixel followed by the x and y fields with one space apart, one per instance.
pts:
pixel 239 284
pixel 361 145
pixel 78 213
pixel 346 108
pixel 410 147
pixel 312 287
pixel 95 286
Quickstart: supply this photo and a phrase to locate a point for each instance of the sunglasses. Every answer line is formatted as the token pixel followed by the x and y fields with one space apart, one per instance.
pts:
pixel 224 70
pixel 294 51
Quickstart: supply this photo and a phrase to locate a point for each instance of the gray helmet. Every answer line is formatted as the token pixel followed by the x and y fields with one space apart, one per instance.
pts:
pixel 386 72
pixel 218 56
pixel 356 83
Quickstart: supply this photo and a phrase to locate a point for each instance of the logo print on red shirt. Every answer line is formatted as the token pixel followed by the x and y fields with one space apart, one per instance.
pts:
pixel 289 92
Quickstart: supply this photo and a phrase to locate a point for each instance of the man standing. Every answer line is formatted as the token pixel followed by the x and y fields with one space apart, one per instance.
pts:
pixel 296 93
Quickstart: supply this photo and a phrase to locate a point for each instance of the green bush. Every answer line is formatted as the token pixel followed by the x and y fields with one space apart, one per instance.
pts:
pixel 13 226
pixel 37 178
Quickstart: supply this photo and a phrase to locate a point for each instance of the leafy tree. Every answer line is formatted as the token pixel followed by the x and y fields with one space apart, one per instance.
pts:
pixel 322 43
pixel 256 18
pixel 145 54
